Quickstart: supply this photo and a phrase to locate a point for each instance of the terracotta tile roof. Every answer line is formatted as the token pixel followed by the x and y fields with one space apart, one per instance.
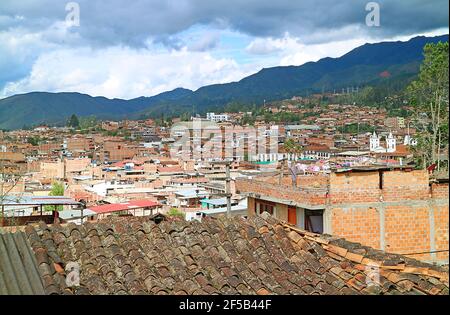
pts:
pixel 169 169
pixel 317 147
pixel 259 255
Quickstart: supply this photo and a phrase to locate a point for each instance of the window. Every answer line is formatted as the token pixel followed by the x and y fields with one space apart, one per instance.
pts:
pixel 314 221
pixel 380 174
pixel 265 206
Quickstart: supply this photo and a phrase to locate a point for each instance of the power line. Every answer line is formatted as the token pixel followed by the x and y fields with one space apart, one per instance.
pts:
pixel 423 253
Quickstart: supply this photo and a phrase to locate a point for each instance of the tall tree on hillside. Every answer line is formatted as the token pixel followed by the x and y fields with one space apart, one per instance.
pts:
pixel 73 121
pixel 429 95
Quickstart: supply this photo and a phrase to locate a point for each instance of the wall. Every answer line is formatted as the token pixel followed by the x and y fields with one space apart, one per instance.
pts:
pixel 53 170
pixel 77 165
pixel 406 216
pixel 311 197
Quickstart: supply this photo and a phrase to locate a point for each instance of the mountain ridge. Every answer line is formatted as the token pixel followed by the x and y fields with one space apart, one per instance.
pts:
pixel 358 67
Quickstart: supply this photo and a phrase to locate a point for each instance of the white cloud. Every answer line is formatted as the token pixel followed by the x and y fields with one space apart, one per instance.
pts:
pixel 291 51
pixel 297 54
pixel 123 72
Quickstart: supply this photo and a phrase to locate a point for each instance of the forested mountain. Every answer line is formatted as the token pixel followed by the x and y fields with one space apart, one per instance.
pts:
pixel 371 64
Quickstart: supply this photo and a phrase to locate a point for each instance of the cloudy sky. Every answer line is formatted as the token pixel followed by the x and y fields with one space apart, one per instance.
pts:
pixel 132 48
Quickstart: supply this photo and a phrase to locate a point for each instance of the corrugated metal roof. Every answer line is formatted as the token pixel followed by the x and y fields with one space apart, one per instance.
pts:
pixel 116 207
pixel 19 273
pixel 38 200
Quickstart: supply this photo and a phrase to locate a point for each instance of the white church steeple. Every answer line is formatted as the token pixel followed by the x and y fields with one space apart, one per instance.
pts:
pixel 374 142
pixel 391 143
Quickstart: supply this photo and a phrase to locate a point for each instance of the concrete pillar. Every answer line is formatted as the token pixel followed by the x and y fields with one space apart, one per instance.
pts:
pixel 432 230
pixel 251 209
pixel 381 211
pixel 327 217
pixel 281 212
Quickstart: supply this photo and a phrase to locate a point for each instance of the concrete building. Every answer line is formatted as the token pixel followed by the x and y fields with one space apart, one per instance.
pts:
pixel 217 118
pixel 375 146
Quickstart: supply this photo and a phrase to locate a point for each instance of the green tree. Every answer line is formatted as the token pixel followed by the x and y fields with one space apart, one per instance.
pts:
pixel 73 121
pixel 57 190
pixel 292 147
pixel 174 212
pixel 429 96
pixel 88 122
pixel 34 140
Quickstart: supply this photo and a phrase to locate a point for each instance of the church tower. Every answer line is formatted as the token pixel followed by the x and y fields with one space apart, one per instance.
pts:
pixel 374 142
pixel 391 143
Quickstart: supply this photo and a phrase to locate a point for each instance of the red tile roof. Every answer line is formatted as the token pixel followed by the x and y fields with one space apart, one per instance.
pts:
pixel 174 169
pixel 116 207
pixel 258 255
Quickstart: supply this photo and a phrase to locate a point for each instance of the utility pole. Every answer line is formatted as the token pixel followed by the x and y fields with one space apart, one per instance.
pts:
pixel 228 193
pixel 228 189
pixel 280 179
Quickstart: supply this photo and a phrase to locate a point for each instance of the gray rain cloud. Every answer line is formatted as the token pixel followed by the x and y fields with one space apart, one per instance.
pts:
pixel 111 22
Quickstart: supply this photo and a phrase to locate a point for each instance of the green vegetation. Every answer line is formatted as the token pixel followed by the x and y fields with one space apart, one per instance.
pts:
pixel 35 140
pixel 57 190
pixel 292 147
pixel 88 122
pixel 174 212
pixel 361 67
pixel 429 96
pixel 73 122
pixel 354 128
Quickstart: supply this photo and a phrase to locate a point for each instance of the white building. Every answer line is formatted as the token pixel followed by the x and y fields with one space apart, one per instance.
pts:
pixel 375 145
pixel 410 141
pixel 217 118
pixel 391 143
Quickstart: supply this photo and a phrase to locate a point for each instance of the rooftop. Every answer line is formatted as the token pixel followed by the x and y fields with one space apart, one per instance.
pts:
pixel 117 207
pixel 37 201
pixel 259 255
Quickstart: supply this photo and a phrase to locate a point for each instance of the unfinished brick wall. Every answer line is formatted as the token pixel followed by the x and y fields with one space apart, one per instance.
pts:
pixel 310 197
pixel 412 185
pixel 357 225
pixel 439 190
pixel 441 218
pixel 77 165
pixel 413 215
pixel 404 215
pixel 407 231
pixel 303 181
pixel 354 187
pixel 379 185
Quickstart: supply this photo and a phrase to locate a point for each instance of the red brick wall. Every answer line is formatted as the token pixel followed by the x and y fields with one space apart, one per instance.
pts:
pixel 312 197
pixel 308 181
pixel 441 231
pixel 407 230
pixel 355 206
pixel 439 190
pixel 407 202
pixel 357 225
pixel 406 185
pixel 354 187
pixel 365 187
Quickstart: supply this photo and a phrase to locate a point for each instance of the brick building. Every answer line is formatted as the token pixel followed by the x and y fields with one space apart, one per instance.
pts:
pixel 80 143
pixel 114 151
pixel 395 210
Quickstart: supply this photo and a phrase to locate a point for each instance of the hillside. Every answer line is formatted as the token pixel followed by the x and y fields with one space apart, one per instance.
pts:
pixel 361 66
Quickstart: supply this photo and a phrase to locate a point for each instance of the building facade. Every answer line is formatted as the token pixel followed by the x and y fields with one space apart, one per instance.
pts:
pixel 399 211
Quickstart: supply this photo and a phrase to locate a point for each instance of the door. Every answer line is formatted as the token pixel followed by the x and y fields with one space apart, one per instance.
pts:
pixel 292 215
